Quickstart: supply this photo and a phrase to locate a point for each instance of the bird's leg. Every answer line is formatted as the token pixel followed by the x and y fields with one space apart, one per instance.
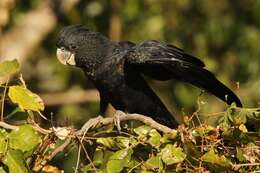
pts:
pixel 103 104
pixel 117 119
pixel 91 123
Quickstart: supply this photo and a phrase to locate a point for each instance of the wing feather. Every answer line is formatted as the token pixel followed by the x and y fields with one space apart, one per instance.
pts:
pixel 162 61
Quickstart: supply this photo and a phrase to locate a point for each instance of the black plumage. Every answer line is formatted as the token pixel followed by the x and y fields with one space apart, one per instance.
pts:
pixel 116 70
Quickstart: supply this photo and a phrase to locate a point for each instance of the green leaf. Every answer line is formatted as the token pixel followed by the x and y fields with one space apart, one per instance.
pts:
pixel 116 142
pixel 154 162
pixel 3 141
pixel 122 154
pixel 2 170
pixel 210 157
pixel 142 130
pixel 119 160
pixel 223 161
pixel 26 99
pixel 171 154
pixel 134 165
pixel 241 117
pixel 15 161
pixel 106 155
pixel 108 142
pixel 171 135
pixel 8 67
pixel 122 142
pixel 114 166
pixel 213 158
pixel 98 158
pixel 240 155
pixel 155 138
pixel 25 138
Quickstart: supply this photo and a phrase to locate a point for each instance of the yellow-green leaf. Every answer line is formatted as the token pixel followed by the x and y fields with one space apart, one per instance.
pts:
pixel 26 99
pixel 122 154
pixel 210 157
pixel 122 142
pixel 15 161
pixel 25 138
pixel 98 158
pixel 213 158
pixel 155 138
pixel 2 170
pixel 8 67
pixel 154 162
pixel 119 160
pixel 171 154
pixel 142 130
pixel 115 166
pixel 240 155
pixel 107 142
pixel 3 141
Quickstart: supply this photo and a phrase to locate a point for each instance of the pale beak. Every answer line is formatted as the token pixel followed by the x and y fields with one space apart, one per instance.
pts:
pixel 65 57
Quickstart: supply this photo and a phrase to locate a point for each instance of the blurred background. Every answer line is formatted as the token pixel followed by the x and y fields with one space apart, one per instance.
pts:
pixel 225 34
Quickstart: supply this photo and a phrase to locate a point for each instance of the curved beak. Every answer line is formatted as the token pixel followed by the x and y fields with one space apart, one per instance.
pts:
pixel 65 57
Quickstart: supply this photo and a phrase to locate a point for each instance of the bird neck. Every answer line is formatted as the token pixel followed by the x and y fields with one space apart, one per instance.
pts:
pixel 93 54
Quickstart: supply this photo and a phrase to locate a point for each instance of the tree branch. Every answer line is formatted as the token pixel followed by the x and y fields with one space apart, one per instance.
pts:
pixel 93 123
pixel 7 126
pixel 138 117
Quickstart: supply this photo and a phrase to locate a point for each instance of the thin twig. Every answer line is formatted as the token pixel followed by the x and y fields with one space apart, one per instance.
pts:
pixel 78 160
pixel 39 129
pixel 213 114
pixel 8 126
pixel 91 122
pixel 52 155
pixel 137 165
pixel 197 111
pixel 87 155
pixel 246 164
pixel 59 149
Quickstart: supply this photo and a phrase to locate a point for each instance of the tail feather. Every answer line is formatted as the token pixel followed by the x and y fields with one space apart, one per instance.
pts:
pixel 203 78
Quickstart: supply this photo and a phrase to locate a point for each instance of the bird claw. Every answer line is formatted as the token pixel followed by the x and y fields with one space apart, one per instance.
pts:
pixel 117 119
pixel 91 123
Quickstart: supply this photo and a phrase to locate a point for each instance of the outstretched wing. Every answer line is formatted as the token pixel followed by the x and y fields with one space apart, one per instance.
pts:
pixel 162 61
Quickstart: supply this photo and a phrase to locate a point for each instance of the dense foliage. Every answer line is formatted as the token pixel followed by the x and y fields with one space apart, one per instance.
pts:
pixel 135 148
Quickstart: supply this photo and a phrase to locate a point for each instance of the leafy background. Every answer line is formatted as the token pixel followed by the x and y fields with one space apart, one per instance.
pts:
pixel 224 34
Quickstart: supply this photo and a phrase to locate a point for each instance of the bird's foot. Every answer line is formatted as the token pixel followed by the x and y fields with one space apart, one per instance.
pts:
pixel 91 123
pixel 117 116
